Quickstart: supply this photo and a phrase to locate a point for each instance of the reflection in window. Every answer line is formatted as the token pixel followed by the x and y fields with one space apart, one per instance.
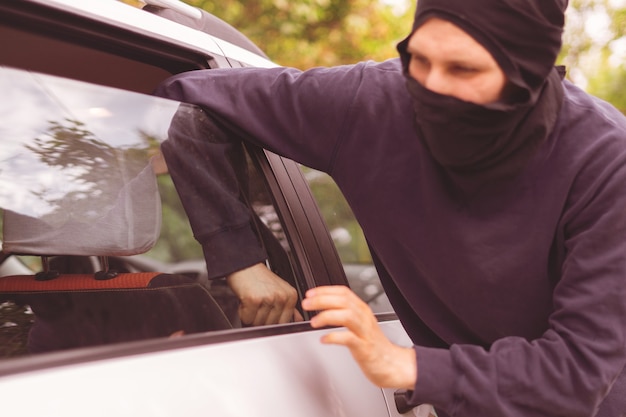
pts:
pixel 349 240
pixel 66 143
pixel 78 188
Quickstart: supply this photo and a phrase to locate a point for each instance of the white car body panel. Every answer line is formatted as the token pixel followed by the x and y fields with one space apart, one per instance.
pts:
pixel 284 375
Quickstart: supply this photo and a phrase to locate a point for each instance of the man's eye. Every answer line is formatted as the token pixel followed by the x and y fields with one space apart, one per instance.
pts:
pixel 460 69
pixel 419 60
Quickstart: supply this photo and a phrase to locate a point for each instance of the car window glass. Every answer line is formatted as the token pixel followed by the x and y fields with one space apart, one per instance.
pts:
pixel 349 240
pixel 83 182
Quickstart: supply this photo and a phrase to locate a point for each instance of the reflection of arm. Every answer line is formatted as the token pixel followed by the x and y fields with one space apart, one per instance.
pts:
pixel 204 163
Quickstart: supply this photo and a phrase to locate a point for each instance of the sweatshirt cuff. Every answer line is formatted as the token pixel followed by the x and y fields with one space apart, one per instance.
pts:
pixel 232 250
pixel 435 378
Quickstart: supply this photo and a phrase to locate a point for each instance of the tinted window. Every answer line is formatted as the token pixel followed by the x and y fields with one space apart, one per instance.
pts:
pixel 349 240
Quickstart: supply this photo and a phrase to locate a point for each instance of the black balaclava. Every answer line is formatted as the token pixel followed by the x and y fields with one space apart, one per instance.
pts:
pixel 524 37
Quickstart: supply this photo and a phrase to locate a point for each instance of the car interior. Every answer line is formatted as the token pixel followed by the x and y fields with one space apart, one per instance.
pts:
pixel 79 298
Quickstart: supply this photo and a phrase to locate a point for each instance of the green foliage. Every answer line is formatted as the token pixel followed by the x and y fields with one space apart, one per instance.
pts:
pixel 576 41
pixel 618 23
pixel 176 242
pixel 589 49
pixel 307 33
pixel 609 85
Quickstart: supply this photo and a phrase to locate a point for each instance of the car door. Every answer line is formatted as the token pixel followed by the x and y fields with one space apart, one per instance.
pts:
pixel 77 118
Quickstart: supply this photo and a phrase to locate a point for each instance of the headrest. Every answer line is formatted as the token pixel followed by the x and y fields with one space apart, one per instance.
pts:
pixel 124 220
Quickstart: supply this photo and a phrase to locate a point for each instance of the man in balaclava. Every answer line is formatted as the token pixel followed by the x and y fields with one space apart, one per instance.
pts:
pixel 497 226
pixel 524 38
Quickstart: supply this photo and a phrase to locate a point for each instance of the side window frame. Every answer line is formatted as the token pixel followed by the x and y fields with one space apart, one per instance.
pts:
pixel 313 247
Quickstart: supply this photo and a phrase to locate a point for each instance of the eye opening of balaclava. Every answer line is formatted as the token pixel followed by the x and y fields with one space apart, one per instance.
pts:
pixel 523 36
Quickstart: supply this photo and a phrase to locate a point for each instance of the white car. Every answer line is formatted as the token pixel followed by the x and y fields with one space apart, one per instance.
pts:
pixel 105 305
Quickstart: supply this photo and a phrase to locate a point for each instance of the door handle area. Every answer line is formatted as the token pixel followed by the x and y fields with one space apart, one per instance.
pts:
pixel 400 398
pixel 403 407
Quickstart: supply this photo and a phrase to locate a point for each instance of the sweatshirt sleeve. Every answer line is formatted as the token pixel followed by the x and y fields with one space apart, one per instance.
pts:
pixel 209 170
pixel 576 367
pixel 296 114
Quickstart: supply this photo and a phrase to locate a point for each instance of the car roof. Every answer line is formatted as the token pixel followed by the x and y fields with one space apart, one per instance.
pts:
pixel 207 23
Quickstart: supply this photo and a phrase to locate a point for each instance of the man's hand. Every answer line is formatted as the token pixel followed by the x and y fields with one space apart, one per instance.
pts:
pixel 264 297
pixel 385 364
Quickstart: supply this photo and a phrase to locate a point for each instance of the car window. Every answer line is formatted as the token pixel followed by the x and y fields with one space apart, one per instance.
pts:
pixel 97 248
pixel 349 240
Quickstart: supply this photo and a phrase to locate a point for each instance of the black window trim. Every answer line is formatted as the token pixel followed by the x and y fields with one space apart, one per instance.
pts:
pixel 313 247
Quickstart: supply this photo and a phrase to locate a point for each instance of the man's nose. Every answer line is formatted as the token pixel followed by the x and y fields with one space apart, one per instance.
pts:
pixel 437 81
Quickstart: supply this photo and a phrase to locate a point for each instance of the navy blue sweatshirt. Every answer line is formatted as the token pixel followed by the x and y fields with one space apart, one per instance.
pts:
pixel 521 279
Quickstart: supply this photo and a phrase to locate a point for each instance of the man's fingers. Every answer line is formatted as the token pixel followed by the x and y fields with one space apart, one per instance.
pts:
pixel 279 313
pixel 339 318
pixel 287 314
pixel 329 290
pixel 339 306
pixel 264 297
pixel 297 317
pixel 276 310
pixel 340 338
pixel 249 313
pixel 287 305
pixel 325 302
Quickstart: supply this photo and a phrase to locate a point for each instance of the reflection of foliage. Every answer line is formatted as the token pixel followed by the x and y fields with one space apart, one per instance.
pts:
pixel 99 170
pixel 338 215
pixel 176 242
pixel 306 33
pixel 96 169
pixel 74 146
pixel 69 146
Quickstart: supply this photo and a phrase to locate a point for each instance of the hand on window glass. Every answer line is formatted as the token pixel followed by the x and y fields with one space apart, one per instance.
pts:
pixel 265 298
